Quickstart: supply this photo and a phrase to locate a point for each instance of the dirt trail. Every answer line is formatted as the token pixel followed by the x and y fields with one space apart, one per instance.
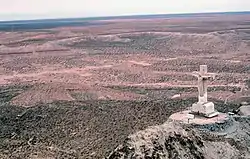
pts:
pixel 142 63
pixel 168 84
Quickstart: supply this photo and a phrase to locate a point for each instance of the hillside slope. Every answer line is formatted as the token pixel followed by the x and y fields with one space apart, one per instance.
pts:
pixel 175 141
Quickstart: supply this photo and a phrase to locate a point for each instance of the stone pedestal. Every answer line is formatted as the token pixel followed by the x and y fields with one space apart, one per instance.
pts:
pixel 189 118
pixel 206 109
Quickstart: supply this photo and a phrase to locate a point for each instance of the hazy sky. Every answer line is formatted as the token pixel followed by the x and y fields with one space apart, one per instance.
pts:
pixel 32 9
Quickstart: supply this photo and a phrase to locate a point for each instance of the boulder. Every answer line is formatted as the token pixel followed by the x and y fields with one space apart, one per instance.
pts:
pixel 244 110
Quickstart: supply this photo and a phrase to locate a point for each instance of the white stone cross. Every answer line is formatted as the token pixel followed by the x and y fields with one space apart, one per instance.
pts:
pixel 203 76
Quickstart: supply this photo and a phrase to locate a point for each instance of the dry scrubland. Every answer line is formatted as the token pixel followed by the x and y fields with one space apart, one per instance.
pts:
pixel 78 92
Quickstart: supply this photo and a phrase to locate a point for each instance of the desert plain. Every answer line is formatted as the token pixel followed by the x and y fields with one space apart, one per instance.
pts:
pixel 79 91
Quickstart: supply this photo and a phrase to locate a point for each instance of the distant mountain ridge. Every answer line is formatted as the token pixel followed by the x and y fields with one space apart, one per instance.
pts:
pixel 18 25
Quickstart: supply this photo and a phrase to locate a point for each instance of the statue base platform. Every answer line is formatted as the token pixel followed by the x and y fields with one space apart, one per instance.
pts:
pixel 204 109
pixel 189 118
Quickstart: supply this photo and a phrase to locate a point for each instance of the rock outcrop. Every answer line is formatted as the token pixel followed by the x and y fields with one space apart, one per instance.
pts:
pixel 178 141
pixel 244 110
